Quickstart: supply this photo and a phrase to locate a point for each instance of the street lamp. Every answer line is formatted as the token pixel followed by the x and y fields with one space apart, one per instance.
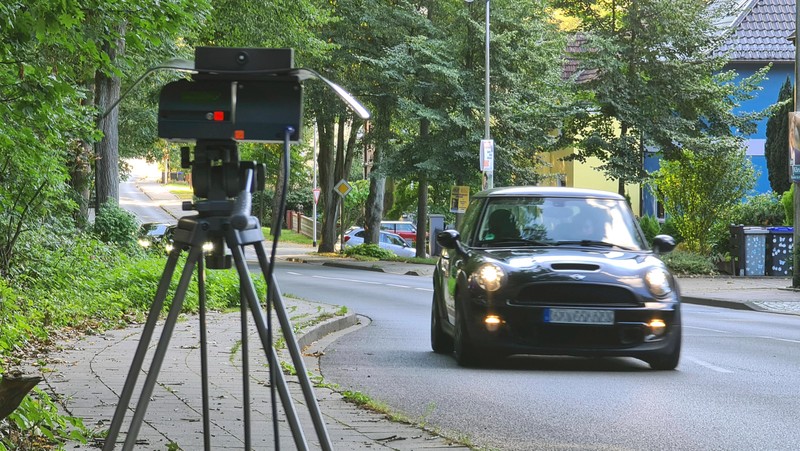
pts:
pixel 487 145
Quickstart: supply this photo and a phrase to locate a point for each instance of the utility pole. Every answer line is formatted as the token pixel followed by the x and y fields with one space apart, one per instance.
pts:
pixel 795 180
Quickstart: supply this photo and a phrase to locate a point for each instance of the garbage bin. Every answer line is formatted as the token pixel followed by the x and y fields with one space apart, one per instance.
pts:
pixel 750 249
pixel 779 251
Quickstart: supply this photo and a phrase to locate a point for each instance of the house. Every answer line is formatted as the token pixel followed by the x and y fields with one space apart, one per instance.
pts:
pixel 758 35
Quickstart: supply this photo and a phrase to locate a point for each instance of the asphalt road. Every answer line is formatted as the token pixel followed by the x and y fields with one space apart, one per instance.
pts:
pixel 736 386
pixel 136 202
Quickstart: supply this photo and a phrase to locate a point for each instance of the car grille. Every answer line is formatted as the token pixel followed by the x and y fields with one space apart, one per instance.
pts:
pixel 575 294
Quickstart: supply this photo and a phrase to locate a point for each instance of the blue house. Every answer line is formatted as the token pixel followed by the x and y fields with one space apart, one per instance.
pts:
pixel 759 36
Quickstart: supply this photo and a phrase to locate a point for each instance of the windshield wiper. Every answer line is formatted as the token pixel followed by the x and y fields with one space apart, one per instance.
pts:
pixel 591 243
pixel 511 241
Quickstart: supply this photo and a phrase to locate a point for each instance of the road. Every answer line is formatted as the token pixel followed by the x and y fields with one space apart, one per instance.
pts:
pixel 136 202
pixel 736 386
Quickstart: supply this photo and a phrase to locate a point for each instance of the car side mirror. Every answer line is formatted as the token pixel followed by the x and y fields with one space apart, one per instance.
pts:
pixel 663 244
pixel 450 239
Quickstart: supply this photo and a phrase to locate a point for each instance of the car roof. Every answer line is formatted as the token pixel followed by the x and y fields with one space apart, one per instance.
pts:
pixel 358 229
pixel 547 191
pixel 397 222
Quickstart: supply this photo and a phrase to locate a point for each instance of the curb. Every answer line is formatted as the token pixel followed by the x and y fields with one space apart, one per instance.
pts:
pixel 317 332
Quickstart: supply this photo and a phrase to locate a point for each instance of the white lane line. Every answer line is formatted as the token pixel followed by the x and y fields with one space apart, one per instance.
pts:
pixel 424 289
pixel 293 273
pixel 341 279
pixel 397 286
pixel 705 364
pixel 707 329
pixel 780 339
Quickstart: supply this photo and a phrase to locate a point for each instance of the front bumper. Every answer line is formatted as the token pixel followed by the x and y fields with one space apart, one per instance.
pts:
pixel 522 329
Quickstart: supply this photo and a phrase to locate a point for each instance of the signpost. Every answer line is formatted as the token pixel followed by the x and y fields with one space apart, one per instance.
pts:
pixel 459 199
pixel 343 189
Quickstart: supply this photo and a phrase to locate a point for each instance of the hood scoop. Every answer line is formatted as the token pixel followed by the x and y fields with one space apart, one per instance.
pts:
pixel 575 267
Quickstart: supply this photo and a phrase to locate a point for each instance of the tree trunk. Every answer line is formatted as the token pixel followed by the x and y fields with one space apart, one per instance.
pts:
pixel 107 90
pixel 422 195
pixel 80 181
pixel 377 181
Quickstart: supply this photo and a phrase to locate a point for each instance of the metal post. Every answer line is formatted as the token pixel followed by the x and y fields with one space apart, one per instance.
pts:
pixel 796 200
pixel 314 184
pixel 487 135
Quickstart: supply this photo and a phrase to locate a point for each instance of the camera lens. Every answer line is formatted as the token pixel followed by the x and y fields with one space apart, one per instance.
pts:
pixel 242 58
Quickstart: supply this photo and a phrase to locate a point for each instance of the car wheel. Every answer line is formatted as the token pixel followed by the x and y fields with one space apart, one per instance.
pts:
pixel 440 341
pixel 666 362
pixel 465 352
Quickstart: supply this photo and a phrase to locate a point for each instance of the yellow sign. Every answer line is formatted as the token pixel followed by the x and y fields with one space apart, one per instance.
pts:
pixel 342 188
pixel 459 199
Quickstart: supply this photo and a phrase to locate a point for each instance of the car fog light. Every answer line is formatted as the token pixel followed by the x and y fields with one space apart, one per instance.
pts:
pixel 657 326
pixel 144 243
pixel 492 322
pixel 208 246
pixel 169 247
pixel 490 277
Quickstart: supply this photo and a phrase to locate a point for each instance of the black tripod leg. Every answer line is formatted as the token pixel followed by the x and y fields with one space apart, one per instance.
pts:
pixel 201 293
pixel 245 368
pixel 195 253
pixel 141 350
pixel 294 351
pixel 258 317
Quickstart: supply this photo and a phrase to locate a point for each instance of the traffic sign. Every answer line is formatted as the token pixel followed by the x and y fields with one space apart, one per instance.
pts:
pixel 343 188
pixel 487 155
pixel 796 173
pixel 316 192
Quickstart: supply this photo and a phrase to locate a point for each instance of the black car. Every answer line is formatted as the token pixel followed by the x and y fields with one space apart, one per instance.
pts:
pixel 554 271
pixel 154 235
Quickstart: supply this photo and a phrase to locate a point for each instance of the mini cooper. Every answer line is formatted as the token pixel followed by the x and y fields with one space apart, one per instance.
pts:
pixel 554 271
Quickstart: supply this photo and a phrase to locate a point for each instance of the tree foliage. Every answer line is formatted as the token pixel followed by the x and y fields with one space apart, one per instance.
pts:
pixel 655 82
pixel 776 148
pixel 698 188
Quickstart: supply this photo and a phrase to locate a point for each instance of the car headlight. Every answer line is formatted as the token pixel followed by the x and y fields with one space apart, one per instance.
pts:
pixel 658 282
pixel 144 242
pixel 208 246
pixel 489 276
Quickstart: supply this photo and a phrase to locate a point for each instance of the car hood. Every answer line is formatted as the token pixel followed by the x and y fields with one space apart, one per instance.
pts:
pixel 565 262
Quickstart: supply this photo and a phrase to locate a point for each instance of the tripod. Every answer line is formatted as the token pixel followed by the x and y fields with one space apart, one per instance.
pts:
pixel 229 225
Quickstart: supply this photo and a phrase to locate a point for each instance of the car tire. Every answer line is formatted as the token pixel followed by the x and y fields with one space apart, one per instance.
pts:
pixel 441 343
pixel 465 352
pixel 666 362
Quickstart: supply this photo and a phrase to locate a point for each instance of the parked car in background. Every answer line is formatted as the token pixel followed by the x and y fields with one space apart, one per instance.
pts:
pixel 554 271
pixel 405 229
pixel 389 241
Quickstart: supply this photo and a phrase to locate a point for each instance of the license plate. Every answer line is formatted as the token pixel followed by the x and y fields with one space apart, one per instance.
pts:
pixel 578 316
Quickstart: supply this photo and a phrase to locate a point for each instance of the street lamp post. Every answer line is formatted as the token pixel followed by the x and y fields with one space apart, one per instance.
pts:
pixel 487 145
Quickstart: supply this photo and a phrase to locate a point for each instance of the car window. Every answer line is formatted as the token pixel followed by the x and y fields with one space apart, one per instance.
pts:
pixel 394 239
pixel 471 217
pixel 559 221
pixel 389 227
pixel 359 234
pixel 405 228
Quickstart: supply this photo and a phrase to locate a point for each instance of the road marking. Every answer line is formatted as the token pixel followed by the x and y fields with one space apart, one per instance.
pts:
pixel 397 286
pixel 705 364
pixel 780 339
pixel 424 289
pixel 707 329
pixel 293 273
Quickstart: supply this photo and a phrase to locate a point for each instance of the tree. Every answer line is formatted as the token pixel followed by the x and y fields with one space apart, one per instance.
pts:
pixel 657 82
pixel 776 148
pixel 699 188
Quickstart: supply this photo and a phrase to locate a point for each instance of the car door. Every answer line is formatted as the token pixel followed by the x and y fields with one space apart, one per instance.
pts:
pixel 451 263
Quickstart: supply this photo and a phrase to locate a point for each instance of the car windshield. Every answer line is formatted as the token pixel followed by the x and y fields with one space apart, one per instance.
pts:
pixel 559 221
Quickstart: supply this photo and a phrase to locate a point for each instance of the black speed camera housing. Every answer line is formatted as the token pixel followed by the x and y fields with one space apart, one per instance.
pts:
pixel 245 95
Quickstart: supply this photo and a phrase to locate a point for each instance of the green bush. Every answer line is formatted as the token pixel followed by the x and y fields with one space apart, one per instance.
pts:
pixel 370 250
pixel 759 210
pixel 650 226
pixel 682 262
pixel 669 228
pixel 787 200
pixel 115 225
